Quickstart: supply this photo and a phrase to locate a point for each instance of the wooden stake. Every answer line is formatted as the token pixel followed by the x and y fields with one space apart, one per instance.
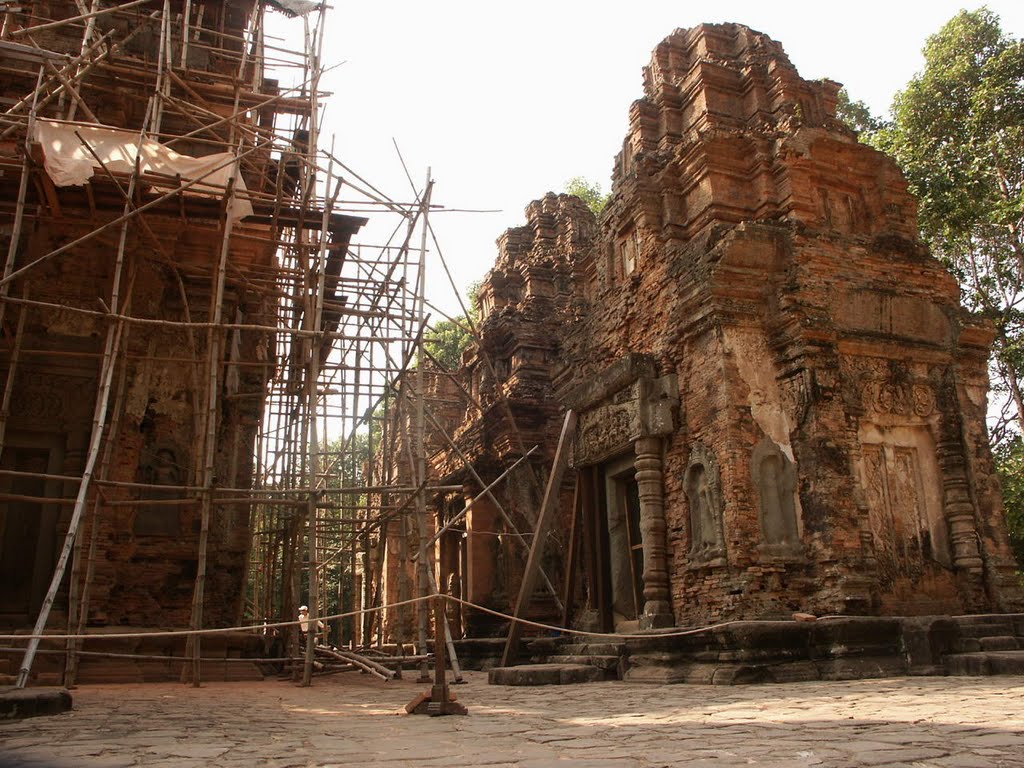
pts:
pixel 544 521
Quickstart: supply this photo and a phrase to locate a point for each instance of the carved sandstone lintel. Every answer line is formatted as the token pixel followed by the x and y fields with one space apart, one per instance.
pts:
pixel 889 397
pixel 645 407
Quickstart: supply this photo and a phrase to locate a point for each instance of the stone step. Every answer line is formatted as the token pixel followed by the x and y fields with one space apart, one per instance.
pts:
pixel 596 649
pixel 988 626
pixel 610 664
pixel 999 643
pixel 544 674
pixel 990 643
pixel 16 703
pixel 985 663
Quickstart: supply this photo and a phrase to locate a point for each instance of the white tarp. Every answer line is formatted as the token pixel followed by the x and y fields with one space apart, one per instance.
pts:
pixel 68 163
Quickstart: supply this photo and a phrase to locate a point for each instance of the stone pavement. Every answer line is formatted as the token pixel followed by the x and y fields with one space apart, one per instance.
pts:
pixel 351 720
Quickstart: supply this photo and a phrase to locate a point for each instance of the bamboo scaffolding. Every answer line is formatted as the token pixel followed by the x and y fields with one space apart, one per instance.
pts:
pixel 111 347
pixel 75 19
pixel 341 325
pixel 78 604
pixel 420 467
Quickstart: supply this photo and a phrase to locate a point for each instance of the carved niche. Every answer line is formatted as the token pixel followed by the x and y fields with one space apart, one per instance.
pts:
pixel 774 476
pixel 160 468
pixel 703 486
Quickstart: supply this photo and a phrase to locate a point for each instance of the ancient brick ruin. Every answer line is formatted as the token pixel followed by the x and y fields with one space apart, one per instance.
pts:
pixel 781 400
pixel 774 401
pixel 157 331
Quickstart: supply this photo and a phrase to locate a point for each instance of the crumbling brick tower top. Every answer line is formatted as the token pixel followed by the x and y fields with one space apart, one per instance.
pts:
pixel 728 131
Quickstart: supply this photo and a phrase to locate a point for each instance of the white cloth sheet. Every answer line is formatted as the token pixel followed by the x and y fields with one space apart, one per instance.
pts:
pixel 69 163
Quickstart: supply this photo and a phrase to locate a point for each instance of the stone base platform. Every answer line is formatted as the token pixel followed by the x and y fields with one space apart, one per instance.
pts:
pixel 18 703
pixel 750 652
pixel 986 663
pixel 847 648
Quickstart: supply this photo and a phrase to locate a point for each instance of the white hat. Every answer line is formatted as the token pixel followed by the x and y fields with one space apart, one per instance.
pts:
pixel 303 608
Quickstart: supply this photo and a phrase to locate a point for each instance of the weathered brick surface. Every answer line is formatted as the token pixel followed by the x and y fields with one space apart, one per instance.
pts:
pixel 146 555
pixel 830 419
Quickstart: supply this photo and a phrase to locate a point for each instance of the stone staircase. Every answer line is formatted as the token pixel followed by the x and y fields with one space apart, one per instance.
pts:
pixel 987 645
pixel 557 662
pixel 610 658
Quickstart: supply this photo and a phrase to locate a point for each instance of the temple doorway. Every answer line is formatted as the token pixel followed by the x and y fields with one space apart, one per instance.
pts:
pixel 28 524
pixel 452 564
pixel 624 541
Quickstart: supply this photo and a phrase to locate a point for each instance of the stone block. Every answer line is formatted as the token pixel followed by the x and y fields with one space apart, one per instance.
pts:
pixel 998 643
pixel 985 664
pixel 925 639
pixel 694 674
pixel 987 625
pixel 862 668
pixel 855 637
pixel 544 674
pixel 17 703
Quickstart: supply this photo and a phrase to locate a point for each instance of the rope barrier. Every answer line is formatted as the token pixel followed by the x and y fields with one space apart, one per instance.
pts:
pixel 217 631
pixel 259 628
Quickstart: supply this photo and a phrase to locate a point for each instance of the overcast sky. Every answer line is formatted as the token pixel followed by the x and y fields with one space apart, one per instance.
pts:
pixel 506 101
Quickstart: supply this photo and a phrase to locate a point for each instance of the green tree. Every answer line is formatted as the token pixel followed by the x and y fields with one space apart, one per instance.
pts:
pixel 446 341
pixel 589 192
pixel 856 114
pixel 1009 458
pixel 957 133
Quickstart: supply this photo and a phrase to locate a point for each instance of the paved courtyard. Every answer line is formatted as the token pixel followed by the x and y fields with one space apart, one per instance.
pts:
pixel 351 720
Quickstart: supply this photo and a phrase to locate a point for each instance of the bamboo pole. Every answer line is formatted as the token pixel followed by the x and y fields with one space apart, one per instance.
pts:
pixel 12 369
pixel 78 614
pixel 314 318
pixel 209 441
pixel 110 351
pixel 419 446
pixel 75 19
pixel 19 216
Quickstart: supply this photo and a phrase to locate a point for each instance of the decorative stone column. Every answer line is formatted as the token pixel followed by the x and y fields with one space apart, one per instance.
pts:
pixel 483 560
pixel 657 607
pixel 958 508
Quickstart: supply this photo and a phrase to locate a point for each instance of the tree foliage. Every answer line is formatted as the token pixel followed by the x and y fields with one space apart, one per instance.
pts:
pixel 589 192
pixel 856 114
pixel 447 340
pixel 1009 458
pixel 957 133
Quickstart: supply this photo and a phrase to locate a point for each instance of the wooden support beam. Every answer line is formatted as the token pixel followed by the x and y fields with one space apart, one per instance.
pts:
pixel 544 521
pixel 572 555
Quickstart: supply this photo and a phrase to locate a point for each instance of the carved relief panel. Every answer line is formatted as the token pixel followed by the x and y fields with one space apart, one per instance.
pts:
pixel 901 482
pixel 774 476
pixel 703 486
pixel 158 514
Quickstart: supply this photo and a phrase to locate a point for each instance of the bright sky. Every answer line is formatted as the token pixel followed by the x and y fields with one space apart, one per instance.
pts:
pixel 506 101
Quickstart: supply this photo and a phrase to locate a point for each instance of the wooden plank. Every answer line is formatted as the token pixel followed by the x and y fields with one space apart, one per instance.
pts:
pixel 602 571
pixel 540 533
pixel 573 553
